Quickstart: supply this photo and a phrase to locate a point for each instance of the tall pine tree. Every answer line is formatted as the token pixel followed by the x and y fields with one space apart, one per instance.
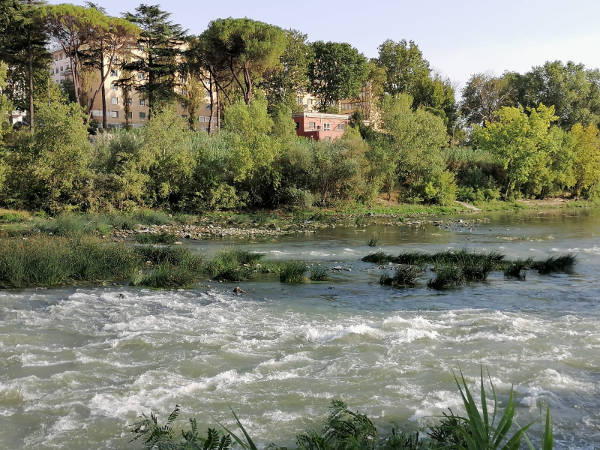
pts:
pixel 159 52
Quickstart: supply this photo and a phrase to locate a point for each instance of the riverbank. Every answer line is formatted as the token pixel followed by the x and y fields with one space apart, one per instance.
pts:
pixel 265 223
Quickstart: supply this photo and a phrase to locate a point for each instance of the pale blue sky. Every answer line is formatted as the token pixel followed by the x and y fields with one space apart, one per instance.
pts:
pixel 459 38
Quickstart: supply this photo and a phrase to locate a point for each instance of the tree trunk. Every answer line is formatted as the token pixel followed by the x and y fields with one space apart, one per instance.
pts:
pixel 31 105
pixel 103 79
pixel 212 104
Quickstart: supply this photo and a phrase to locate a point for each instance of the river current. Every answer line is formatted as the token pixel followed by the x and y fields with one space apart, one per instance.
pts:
pixel 78 365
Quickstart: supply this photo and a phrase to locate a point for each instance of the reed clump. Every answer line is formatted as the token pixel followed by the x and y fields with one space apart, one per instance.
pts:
pixel 404 276
pixel 44 261
pixel 555 264
pixel 233 265
pixel 292 272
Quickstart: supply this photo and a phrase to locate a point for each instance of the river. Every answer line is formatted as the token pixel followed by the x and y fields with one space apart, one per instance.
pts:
pixel 78 365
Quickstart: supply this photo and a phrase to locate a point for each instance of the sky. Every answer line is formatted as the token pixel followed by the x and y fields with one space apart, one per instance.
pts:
pixel 458 38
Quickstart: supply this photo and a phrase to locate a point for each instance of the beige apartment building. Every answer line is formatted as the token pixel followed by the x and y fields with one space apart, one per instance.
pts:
pixel 365 104
pixel 122 109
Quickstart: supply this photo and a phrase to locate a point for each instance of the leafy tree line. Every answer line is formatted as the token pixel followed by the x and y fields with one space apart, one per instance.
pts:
pixel 532 134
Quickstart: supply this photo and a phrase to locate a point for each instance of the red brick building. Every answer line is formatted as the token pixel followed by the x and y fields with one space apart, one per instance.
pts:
pixel 320 126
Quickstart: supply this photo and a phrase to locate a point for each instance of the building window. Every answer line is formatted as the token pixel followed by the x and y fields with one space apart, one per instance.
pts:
pixel 300 100
pixel 141 75
pixel 142 102
pixel 341 126
pixel 113 73
pixel 114 114
pixel 115 87
pixel 129 101
pixel 326 127
pixel 61 68
pixel 130 115
pixel 311 125
pixel 114 101
pixel 297 125
pixel 142 115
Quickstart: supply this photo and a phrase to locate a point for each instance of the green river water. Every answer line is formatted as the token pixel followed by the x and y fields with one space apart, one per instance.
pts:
pixel 78 365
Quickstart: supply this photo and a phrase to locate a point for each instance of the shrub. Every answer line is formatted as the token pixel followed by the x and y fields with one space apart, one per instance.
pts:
pixel 11 216
pixel 292 272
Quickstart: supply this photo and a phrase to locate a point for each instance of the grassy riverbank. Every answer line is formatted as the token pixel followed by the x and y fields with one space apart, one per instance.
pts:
pixel 215 224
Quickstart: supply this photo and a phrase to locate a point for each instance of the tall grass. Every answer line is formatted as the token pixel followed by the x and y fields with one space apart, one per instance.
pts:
pixel 404 276
pixel 151 238
pixel 233 265
pixel 293 272
pixel 43 261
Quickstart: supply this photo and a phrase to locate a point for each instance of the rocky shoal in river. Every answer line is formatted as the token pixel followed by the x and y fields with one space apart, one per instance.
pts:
pixel 212 231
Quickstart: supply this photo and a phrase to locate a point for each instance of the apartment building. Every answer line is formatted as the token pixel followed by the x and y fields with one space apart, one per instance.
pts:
pixel 365 104
pixel 122 108
pixel 321 126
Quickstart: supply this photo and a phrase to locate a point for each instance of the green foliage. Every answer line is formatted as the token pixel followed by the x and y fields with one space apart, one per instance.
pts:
pixel 292 272
pixel 44 261
pixel 533 153
pixel 241 51
pixel 166 144
pixel 160 40
pixel 151 238
pixel 337 71
pixel 233 265
pixel 282 83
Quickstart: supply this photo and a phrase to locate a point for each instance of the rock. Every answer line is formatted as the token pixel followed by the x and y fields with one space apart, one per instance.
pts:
pixel 336 268
pixel 238 291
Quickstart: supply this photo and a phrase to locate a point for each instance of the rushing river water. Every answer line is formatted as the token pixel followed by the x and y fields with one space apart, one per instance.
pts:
pixel 78 365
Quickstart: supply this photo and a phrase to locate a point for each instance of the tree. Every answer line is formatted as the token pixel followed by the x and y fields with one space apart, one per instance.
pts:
pixel 283 82
pixel 338 71
pixel 405 66
pixel 526 145
pixel 483 95
pixel 436 95
pixel 586 148
pixel 23 42
pixel 111 40
pixel 413 149
pixel 5 122
pixel 160 49
pixel 571 88
pixel 74 28
pixel 245 49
